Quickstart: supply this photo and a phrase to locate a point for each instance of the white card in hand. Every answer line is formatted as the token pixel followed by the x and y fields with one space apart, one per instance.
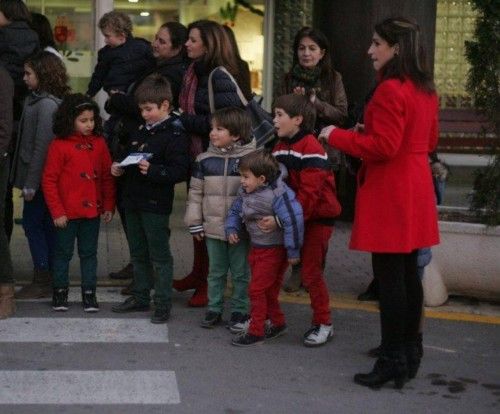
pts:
pixel 134 158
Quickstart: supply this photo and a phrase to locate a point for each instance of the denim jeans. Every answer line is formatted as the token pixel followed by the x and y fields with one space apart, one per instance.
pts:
pixel 40 232
pixel 6 273
pixel 86 233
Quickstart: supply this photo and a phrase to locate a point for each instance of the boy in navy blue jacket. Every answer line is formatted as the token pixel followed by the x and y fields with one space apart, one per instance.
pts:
pixel 148 193
pixel 123 59
pixel 264 193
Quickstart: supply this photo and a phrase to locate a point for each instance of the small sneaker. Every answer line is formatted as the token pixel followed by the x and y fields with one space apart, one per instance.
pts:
pixel 272 331
pixel 318 335
pixel 238 323
pixel 160 315
pixel 60 299
pixel 247 340
pixel 89 301
pixel 211 319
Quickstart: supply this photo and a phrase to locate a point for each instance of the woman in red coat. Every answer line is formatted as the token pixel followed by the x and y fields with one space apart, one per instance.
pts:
pixel 395 204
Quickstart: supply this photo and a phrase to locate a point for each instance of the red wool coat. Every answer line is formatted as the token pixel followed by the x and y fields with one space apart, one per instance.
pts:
pixel 77 181
pixel 395 203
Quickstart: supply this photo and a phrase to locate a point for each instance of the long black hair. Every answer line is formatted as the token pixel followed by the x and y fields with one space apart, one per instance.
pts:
pixel 410 60
pixel 71 107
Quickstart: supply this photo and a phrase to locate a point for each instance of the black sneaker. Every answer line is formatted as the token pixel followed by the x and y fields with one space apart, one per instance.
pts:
pixel 60 299
pixel 247 340
pixel 238 323
pixel 89 301
pixel 211 319
pixel 160 315
pixel 130 305
pixel 272 331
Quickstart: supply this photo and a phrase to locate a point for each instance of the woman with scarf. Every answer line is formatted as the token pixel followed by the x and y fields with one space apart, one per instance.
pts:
pixel 312 74
pixel 209 47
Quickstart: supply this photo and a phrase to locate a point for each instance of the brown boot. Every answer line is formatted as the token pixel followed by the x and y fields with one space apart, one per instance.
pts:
pixel 41 287
pixel 7 302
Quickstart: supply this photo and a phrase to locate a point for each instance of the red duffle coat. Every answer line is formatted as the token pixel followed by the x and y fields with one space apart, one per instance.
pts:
pixel 395 210
pixel 77 181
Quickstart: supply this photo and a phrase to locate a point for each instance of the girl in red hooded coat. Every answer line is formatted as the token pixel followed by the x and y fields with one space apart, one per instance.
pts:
pixel 395 204
pixel 78 188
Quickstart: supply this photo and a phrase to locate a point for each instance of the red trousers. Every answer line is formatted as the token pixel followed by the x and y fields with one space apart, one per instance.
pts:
pixel 268 265
pixel 313 256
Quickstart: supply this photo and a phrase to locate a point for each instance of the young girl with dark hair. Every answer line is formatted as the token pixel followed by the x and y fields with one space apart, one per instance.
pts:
pixel 78 187
pixel 397 217
pixel 45 76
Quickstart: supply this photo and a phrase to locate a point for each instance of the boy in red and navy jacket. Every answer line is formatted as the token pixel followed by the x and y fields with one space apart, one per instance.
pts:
pixel 311 177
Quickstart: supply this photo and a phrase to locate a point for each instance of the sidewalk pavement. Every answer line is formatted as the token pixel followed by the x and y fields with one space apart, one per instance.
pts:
pixel 348 272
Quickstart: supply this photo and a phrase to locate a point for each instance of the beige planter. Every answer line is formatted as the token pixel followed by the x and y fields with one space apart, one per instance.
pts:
pixel 467 262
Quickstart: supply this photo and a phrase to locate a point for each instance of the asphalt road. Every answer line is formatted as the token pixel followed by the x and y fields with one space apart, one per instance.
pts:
pixel 108 363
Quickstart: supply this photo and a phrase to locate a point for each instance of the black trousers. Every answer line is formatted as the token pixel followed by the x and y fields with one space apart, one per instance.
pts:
pixel 400 297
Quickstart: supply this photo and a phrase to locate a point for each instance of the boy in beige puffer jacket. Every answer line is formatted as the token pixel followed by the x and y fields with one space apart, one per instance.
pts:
pixel 213 188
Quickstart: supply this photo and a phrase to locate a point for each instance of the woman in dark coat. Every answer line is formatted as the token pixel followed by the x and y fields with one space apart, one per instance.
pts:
pixel 395 211
pixel 209 47
pixel 170 54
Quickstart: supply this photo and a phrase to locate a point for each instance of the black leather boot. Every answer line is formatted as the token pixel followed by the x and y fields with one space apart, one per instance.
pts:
pixel 414 353
pixel 387 368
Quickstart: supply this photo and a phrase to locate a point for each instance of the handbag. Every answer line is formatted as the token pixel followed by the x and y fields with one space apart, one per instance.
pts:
pixel 261 120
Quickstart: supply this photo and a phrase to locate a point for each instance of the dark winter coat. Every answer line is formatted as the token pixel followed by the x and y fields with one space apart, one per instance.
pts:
pixel 119 67
pixel 225 96
pixel 124 105
pixel 154 192
pixel 6 98
pixel 17 42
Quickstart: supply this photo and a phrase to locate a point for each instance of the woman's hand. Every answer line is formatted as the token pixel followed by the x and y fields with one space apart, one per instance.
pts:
pixel 294 261
pixel 116 170
pixel 299 90
pixel 28 194
pixel 61 222
pixel 233 238
pixel 359 127
pixel 144 166
pixel 199 236
pixel 107 216
pixel 267 224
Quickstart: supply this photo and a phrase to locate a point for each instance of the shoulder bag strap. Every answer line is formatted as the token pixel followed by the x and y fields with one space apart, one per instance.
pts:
pixel 211 98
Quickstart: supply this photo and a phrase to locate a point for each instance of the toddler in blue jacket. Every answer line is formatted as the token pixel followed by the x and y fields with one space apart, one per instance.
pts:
pixel 264 193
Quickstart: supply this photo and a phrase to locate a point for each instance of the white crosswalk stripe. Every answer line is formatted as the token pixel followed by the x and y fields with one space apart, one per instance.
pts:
pixel 88 387
pixel 82 330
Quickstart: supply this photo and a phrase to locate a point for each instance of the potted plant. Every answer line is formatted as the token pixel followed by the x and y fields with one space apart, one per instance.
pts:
pixel 467 261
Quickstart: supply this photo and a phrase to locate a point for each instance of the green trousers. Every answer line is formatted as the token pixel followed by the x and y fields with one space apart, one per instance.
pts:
pixel 148 237
pixel 86 234
pixel 223 257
